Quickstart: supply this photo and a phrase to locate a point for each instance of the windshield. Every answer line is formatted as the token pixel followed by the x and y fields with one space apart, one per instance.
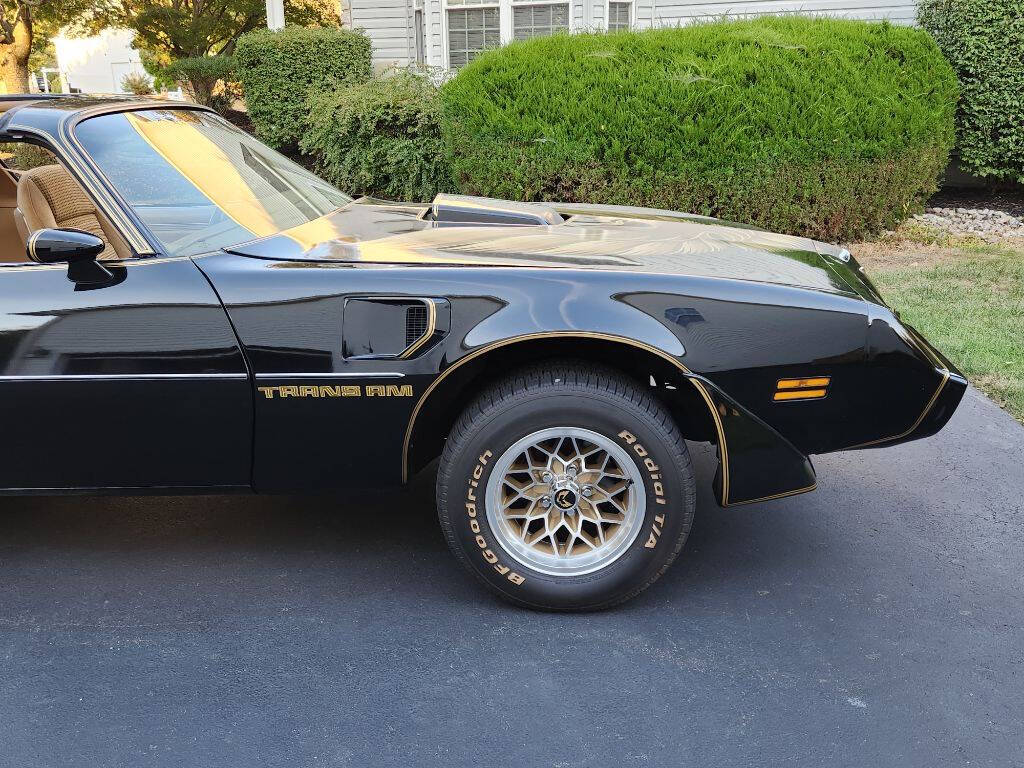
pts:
pixel 198 182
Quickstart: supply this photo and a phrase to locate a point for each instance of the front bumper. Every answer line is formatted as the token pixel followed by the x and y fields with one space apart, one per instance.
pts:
pixel 945 403
pixel 950 385
pixel 951 388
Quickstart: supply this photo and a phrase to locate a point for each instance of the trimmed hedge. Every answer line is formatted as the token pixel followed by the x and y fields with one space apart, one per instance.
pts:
pixel 984 41
pixel 828 128
pixel 380 138
pixel 279 70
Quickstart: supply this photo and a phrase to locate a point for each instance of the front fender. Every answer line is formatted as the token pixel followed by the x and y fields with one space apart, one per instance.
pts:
pixel 755 462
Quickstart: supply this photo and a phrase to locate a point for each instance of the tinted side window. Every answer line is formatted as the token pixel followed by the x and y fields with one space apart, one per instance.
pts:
pixel 198 182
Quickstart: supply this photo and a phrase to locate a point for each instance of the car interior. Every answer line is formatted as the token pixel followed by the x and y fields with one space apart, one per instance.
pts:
pixel 47 196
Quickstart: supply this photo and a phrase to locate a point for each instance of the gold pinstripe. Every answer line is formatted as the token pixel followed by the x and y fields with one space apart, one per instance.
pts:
pixel 916 424
pixel 924 348
pixel 579 335
pixel 431 326
pixel 782 495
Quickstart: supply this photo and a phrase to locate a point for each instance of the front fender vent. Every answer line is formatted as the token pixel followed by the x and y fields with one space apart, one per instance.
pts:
pixel 392 326
pixel 415 323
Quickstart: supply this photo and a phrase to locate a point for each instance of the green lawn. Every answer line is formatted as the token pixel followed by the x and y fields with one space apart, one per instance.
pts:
pixel 972 308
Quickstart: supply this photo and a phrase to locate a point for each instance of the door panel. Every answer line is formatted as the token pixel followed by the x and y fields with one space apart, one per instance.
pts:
pixel 139 383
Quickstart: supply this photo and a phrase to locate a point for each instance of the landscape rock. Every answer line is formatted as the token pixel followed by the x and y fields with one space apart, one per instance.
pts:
pixel 984 223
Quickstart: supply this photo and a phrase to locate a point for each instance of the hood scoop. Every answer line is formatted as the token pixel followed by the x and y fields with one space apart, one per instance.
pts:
pixel 464 210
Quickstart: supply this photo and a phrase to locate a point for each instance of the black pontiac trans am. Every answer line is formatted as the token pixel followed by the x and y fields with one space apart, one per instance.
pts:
pixel 185 310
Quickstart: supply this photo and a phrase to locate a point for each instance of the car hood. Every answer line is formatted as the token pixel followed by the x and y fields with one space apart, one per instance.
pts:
pixel 583 237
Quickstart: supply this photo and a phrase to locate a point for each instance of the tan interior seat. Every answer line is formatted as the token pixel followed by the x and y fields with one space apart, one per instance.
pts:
pixel 12 244
pixel 49 196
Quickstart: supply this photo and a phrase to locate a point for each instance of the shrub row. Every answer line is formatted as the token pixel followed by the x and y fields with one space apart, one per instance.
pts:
pixel 280 70
pixel 984 41
pixel 824 127
pixel 380 138
pixel 828 128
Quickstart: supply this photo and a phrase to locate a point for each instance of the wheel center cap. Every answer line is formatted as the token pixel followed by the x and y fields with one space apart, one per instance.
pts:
pixel 565 498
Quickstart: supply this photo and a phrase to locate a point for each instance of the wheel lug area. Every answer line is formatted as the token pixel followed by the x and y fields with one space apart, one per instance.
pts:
pixel 556 503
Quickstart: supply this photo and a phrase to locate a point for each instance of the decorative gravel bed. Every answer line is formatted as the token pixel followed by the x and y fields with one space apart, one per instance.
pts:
pixel 988 214
pixel 985 223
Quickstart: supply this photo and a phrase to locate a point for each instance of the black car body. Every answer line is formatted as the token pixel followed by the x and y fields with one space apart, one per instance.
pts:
pixel 342 349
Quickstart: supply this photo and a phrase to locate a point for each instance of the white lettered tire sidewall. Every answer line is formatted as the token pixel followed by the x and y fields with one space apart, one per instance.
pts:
pixel 654 446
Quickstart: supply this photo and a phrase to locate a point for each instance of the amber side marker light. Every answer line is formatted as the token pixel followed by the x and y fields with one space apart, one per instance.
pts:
pixel 813 388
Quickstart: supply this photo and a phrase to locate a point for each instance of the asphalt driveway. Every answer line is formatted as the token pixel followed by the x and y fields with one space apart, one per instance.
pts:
pixel 876 622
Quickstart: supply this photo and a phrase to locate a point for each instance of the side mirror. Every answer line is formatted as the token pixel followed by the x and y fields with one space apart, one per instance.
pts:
pixel 77 248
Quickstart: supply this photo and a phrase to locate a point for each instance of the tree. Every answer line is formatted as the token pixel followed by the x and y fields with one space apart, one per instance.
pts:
pixel 19 21
pixel 15 45
pixel 165 30
pixel 168 30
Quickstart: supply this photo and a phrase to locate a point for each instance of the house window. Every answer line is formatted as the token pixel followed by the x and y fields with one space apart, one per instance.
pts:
pixel 618 15
pixel 471 31
pixel 539 19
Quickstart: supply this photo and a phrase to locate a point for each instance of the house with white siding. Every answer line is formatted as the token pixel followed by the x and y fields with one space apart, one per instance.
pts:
pixel 449 33
pixel 97 64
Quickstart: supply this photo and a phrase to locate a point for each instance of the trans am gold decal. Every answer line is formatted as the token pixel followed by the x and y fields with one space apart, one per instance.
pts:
pixel 348 390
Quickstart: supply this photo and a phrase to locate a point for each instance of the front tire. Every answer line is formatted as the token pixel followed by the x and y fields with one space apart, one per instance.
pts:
pixel 566 486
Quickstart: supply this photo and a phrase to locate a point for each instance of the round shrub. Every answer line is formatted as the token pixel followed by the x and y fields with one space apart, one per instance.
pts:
pixel 137 84
pixel 984 41
pixel 206 79
pixel 380 138
pixel 280 69
pixel 824 127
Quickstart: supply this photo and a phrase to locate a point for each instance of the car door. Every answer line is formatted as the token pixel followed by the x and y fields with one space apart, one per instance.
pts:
pixel 134 383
